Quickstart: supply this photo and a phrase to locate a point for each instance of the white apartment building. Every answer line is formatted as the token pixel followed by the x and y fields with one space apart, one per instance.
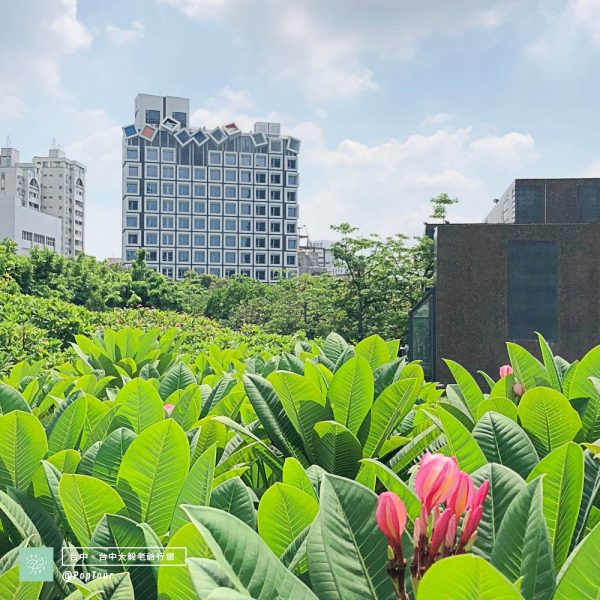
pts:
pixel 217 201
pixel 63 196
pixel 21 216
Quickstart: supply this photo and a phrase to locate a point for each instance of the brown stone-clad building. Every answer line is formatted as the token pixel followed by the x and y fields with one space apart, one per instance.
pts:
pixel 534 265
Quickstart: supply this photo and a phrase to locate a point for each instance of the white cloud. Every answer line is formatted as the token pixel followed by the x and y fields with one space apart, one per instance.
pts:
pixel 39 34
pixel 324 47
pixel 385 187
pixel 119 37
pixel 440 118
pixel 569 27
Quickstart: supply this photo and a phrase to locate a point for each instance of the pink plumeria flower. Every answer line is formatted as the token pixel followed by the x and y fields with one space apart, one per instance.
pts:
pixel 505 371
pixel 391 518
pixel 436 480
pixel 169 409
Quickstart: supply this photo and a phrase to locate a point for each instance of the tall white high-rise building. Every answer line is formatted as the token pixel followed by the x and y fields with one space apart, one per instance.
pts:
pixel 218 201
pixel 63 196
pixel 22 218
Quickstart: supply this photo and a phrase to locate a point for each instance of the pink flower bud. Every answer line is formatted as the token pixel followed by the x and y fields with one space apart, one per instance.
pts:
pixel 462 496
pixel 391 518
pixel 439 532
pixel 505 371
pixel 436 480
pixel 470 525
pixel 169 409
pixel 481 493
pixel 451 532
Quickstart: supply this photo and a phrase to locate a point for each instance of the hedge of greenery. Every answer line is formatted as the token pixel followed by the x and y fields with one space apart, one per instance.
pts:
pixel 331 472
pixel 40 329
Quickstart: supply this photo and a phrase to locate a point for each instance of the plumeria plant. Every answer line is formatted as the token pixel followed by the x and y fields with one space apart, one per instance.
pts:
pixel 448 499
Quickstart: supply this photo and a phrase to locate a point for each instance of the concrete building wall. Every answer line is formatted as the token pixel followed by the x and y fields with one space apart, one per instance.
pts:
pixel 63 196
pixel 22 217
pixel 472 292
pixel 548 201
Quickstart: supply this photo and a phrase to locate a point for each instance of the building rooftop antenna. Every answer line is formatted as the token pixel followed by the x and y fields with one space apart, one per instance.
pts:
pixel 8 142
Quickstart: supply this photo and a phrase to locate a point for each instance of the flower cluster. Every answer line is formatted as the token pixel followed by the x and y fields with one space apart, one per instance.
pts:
pixel 450 514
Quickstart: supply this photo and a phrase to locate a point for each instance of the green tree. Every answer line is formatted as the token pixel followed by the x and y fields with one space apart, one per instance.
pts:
pixel 440 206
pixel 385 277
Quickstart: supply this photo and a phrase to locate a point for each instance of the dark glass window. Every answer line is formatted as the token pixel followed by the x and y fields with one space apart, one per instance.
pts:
pixel 181 117
pixel 153 117
pixel 532 289
pixel 529 205
pixel 588 203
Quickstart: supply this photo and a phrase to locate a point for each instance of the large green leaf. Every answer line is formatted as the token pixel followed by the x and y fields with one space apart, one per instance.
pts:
pixel 563 488
pixel 116 587
pixel 152 472
pixel 85 501
pixel 505 443
pixel 22 446
pixel 528 370
pixel 459 441
pixel 174 582
pixel 522 547
pixel 465 577
pixel 19 519
pixel 188 404
pixel 283 513
pixel 178 377
pixel 351 393
pixel 347 553
pixel 390 407
pixel 41 519
pixel 11 399
pixel 469 390
pixel 273 418
pixel 504 406
pixel 333 346
pixel 303 403
pixel 121 534
pixel 582 386
pixel 12 587
pixel 110 454
pixel 234 497
pixel 411 451
pixel 196 489
pixel 579 578
pixel 591 487
pixel 336 448
pixel 139 405
pixel 505 484
pixel 548 418
pixel 295 475
pixel 552 373
pixel 245 558
pixel 209 580
pixel 374 350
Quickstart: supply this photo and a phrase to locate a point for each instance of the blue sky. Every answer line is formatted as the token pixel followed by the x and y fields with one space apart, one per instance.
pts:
pixel 395 100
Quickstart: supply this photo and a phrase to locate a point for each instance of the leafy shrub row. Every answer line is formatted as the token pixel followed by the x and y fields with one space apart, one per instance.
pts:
pixel 267 469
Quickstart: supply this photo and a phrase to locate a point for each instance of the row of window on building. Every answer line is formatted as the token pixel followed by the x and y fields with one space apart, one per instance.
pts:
pixel 214 190
pixel 260 274
pixel 215 240
pixel 216 257
pixel 218 158
pixel 199 207
pixel 38 238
